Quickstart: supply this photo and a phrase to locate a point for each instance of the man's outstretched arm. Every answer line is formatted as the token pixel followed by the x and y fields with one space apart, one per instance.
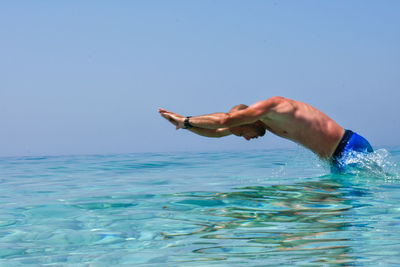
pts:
pixel 225 120
pixel 221 132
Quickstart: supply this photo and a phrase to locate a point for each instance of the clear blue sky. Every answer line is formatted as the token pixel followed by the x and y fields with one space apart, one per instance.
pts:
pixel 83 77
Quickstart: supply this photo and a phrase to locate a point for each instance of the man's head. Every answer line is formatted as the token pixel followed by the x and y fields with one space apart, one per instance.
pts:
pixel 248 131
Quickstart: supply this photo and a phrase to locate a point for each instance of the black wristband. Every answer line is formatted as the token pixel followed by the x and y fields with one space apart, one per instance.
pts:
pixel 186 123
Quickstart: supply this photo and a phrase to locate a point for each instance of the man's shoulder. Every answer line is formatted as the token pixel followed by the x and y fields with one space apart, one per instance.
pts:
pixel 274 100
pixel 267 105
pixel 277 99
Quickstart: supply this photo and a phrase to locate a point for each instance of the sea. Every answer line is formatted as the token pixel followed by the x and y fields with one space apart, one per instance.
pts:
pixel 280 207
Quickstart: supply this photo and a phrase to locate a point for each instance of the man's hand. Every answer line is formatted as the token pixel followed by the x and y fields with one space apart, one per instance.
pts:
pixel 179 120
pixel 173 118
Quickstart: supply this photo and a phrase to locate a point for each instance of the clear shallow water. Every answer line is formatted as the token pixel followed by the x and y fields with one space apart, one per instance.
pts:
pixel 198 209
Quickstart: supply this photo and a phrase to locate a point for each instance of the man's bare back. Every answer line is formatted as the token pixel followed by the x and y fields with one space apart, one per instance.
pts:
pixel 305 125
pixel 293 120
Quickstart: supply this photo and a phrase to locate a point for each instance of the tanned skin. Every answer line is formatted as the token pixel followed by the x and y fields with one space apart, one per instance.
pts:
pixel 293 120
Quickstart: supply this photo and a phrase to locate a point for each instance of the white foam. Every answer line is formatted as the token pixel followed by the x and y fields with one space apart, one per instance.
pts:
pixel 376 164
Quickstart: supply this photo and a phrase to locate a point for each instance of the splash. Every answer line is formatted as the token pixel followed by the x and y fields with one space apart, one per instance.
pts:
pixel 378 164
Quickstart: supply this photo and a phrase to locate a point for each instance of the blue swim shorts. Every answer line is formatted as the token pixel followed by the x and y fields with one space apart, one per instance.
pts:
pixel 350 146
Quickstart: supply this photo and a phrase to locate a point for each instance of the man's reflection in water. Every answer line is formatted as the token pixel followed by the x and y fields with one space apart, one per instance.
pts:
pixel 305 220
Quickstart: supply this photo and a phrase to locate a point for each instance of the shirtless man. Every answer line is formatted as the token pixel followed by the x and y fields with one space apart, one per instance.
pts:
pixel 286 118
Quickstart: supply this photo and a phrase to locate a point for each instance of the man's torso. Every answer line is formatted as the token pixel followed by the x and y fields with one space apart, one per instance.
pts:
pixel 305 125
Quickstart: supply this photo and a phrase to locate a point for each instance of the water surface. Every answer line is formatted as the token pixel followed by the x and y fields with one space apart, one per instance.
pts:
pixel 259 208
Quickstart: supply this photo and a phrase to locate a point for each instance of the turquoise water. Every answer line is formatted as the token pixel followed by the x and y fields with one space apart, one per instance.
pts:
pixel 259 208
